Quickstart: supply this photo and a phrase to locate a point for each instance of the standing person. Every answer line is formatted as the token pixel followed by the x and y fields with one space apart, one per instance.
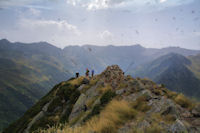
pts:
pixel 87 72
pixel 92 73
pixel 77 74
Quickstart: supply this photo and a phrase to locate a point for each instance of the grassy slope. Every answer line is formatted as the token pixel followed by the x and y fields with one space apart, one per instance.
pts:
pixel 24 78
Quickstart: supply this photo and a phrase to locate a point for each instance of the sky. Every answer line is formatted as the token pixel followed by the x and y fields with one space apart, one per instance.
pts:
pixel 150 23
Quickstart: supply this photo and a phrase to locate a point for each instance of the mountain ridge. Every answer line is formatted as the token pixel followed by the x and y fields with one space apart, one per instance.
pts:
pixel 110 102
pixel 32 69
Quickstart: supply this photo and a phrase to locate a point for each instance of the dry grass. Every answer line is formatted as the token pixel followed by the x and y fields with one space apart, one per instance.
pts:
pixel 122 85
pixel 168 119
pixel 76 81
pixel 115 114
pixel 104 89
pixel 90 101
pixel 170 94
pixel 93 81
pixel 141 104
pixel 183 101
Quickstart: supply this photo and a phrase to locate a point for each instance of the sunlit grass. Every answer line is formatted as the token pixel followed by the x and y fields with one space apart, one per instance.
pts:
pixel 76 81
pixel 184 102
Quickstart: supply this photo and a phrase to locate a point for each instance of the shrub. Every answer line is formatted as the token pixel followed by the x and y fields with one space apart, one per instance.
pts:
pixel 162 85
pixel 95 111
pixel 107 96
pixel 72 100
pixel 55 103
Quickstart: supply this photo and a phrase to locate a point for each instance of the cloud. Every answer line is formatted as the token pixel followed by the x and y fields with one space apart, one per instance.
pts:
pixel 34 11
pixel 49 26
pixel 106 35
pixel 162 1
pixel 197 33
pixel 105 4
pixel 97 4
pixel 9 3
pixel 59 33
pixel 24 3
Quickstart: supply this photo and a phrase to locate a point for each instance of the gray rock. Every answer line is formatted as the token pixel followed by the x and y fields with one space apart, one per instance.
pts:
pixel 85 81
pixel 37 117
pixel 178 127
pixel 78 107
pixel 81 87
pixel 169 110
pixel 144 124
pixel 119 92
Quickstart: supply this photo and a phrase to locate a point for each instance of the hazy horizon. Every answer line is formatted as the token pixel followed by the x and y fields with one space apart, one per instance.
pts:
pixel 150 23
pixel 82 45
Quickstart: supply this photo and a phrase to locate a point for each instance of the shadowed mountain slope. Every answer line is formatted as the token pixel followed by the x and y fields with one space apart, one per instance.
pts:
pixel 177 72
pixel 27 72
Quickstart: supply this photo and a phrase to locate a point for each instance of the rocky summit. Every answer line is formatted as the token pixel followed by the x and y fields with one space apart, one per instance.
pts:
pixel 110 103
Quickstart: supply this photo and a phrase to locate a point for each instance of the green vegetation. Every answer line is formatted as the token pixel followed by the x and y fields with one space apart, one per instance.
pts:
pixel 55 103
pixel 66 91
pixel 107 96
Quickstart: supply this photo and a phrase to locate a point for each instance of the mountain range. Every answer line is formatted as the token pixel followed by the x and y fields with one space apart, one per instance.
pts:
pixel 28 71
pixel 110 103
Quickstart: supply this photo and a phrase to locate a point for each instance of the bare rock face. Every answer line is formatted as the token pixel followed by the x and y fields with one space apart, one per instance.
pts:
pixel 113 75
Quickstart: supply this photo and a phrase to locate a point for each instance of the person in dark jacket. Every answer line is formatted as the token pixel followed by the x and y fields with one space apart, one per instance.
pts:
pixel 77 75
pixel 87 72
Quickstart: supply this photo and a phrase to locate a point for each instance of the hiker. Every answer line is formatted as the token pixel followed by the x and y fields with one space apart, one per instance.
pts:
pixel 77 75
pixel 92 73
pixel 87 72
